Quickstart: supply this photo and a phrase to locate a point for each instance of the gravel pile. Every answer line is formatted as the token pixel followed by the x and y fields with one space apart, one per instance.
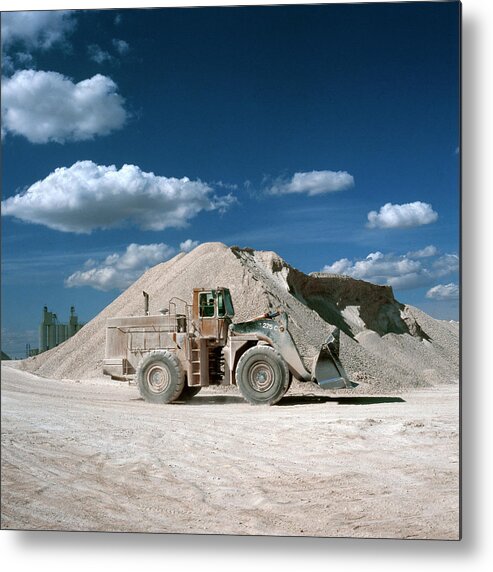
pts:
pixel 385 345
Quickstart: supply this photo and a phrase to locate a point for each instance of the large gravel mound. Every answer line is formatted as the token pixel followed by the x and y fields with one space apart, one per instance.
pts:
pixel 385 345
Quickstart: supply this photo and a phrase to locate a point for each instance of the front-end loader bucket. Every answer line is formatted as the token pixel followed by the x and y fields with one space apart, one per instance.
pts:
pixel 327 370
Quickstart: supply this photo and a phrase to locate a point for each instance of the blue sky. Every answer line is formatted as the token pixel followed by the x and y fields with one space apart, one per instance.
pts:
pixel 329 134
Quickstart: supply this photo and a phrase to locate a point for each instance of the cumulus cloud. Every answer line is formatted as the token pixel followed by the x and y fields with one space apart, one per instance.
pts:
pixel 47 106
pixel 86 196
pixel 445 265
pixel 402 272
pixel 36 29
pixel 376 267
pixel 121 46
pixel 98 55
pixel 402 216
pixel 444 292
pixel 424 252
pixel 223 185
pixel 17 59
pixel 188 245
pixel 8 65
pixel 120 270
pixel 313 183
pixel 24 58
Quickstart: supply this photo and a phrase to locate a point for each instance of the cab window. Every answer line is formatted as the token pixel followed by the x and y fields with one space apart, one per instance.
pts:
pixel 221 309
pixel 206 305
pixel 228 304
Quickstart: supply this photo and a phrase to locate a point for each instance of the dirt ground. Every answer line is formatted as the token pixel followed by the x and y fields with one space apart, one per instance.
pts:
pixel 93 456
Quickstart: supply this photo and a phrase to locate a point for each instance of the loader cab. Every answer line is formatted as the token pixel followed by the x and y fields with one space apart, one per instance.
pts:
pixel 212 310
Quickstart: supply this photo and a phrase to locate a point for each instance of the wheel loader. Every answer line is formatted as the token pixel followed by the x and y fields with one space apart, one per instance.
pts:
pixel 186 347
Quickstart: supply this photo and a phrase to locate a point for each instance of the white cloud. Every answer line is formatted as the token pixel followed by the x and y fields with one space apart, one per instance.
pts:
pixel 402 272
pixel 376 267
pixel 15 60
pixel 98 55
pixel 445 265
pixel 188 245
pixel 313 183
pixel 47 106
pixel 222 185
pixel 424 252
pixel 24 58
pixel 411 280
pixel 341 266
pixel 86 196
pixel 36 29
pixel 121 46
pixel 402 216
pixel 8 65
pixel 120 270
pixel 443 292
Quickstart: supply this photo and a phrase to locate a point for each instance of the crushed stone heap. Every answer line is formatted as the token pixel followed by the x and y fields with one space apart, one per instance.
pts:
pixel 385 345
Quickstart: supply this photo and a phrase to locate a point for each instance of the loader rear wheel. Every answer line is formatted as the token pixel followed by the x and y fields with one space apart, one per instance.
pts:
pixel 262 375
pixel 188 392
pixel 160 377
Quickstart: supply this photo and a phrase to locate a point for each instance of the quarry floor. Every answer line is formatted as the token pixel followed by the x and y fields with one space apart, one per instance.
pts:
pixel 93 456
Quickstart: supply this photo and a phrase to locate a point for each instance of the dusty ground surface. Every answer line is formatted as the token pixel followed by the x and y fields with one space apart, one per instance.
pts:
pixel 92 455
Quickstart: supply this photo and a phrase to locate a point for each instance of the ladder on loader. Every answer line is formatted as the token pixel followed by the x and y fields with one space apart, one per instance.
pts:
pixel 198 369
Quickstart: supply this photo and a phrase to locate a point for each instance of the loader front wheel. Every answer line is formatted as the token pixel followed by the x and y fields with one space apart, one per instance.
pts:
pixel 160 377
pixel 262 375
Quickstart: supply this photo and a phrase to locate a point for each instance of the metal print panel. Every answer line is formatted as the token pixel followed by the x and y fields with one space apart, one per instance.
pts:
pixel 230 270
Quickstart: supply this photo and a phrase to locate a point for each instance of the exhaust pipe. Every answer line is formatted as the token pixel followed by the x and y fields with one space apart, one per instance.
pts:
pixel 146 303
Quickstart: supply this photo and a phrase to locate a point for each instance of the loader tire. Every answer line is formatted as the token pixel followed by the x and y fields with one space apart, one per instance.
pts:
pixel 188 392
pixel 160 377
pixel 262 375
